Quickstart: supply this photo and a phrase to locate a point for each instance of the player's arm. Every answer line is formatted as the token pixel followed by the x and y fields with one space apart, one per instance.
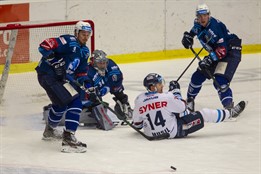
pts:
pixel 177 103
pixel 114 73
pixel 187 40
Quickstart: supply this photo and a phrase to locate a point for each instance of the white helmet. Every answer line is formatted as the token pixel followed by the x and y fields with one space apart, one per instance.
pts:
pixel 82 26
pixel 202 9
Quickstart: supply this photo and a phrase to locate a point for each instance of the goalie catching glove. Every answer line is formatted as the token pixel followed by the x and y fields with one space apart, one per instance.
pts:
pixel 122 107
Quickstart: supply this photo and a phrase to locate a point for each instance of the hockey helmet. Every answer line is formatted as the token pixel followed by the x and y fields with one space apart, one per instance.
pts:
pixel 85 26
pixel 99 61
pixel 202 9
pixel 151 80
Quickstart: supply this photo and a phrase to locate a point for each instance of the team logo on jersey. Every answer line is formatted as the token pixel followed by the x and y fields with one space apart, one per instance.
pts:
pixel 114 77
pixel 150 98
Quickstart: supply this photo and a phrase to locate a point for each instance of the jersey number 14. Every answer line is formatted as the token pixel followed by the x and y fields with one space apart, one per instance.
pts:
pixel 159 120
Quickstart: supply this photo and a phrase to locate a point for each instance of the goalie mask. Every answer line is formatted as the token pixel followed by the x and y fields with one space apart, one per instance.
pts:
pixel 99 61
pixel 151 80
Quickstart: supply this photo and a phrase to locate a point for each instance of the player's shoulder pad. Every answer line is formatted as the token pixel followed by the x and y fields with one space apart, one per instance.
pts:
pixel 69 37
pixel 112 65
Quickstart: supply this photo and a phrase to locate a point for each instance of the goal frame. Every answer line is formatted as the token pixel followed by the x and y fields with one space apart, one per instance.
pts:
pixel 14 27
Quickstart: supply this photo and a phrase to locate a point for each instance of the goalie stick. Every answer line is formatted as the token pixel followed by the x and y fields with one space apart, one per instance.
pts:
pixel 150 138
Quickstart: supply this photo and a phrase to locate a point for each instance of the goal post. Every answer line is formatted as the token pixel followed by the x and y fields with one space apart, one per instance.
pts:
pixel 19 44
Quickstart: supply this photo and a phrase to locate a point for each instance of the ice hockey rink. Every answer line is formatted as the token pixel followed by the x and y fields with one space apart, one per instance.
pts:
pixel 231 147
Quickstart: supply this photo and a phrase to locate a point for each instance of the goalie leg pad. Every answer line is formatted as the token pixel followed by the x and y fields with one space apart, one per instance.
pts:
pixel 102 118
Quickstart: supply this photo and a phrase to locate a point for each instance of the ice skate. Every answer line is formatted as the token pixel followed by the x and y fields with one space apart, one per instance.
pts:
pixel 71 145
pixel 51 134
pixel 236 111
pixel 229 106
pixel 191 104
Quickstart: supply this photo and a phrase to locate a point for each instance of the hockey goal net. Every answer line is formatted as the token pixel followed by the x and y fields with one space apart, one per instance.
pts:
pixel 19 52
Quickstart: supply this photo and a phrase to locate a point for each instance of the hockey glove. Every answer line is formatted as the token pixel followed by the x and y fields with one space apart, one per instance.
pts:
pixel 104 91
pixel 122 106
pixel 187 40
pixel 206 63
pixel 93 95
pixel 174 87
pixel 58 67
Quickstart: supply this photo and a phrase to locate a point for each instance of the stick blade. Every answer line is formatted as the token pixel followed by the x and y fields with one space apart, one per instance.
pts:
pixel 159 137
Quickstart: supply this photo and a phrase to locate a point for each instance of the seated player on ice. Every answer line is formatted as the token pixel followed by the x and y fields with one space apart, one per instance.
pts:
pixel 159 112
pixel 105 76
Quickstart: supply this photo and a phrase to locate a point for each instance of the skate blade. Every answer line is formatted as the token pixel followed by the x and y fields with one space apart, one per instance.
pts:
pixel 69 149
pixel 51 139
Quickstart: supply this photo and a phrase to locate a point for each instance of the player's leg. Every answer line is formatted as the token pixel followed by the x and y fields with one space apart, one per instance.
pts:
pixel 220 115
pixel 194 88
pixel 189 123
pixel 61 94
pixel 54 118
pixel 225 71
pixel 72 117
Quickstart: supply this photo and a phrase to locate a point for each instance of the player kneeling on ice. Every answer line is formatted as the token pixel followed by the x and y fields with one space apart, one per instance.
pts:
pixel 57 53
pixel 105 76
pixel 159 112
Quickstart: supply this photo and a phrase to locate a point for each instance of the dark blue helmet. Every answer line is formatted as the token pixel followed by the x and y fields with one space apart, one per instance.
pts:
pixel 152 79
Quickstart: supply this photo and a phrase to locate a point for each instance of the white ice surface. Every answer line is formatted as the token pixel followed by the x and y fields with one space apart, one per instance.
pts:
pixel 224 148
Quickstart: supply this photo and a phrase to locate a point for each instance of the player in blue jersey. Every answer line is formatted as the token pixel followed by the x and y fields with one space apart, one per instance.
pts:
pixel 106 76
pixel 224 56
pixel 64 53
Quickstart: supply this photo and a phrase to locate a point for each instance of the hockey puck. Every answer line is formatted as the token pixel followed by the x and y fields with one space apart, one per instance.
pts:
pixel 174 168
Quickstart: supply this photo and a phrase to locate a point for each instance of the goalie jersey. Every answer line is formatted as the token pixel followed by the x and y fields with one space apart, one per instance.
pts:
pixel 156 113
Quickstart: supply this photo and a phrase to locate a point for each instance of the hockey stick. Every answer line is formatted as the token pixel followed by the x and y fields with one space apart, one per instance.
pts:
pixel 209 74
pixel 159 137
pixel 196 55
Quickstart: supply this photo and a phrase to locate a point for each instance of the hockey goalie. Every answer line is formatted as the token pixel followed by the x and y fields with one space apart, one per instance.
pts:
pixel 103 77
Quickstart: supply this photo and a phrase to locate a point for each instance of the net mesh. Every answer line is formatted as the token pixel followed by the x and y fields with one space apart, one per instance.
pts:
pixel 26 55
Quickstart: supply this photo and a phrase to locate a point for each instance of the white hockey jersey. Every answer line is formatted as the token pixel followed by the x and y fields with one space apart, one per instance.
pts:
pixel 156 112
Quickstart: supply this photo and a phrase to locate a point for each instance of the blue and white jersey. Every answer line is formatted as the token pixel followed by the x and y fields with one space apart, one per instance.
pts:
pixel 113 77
pixel 157 113
pixel 66 47
pixel 214 35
